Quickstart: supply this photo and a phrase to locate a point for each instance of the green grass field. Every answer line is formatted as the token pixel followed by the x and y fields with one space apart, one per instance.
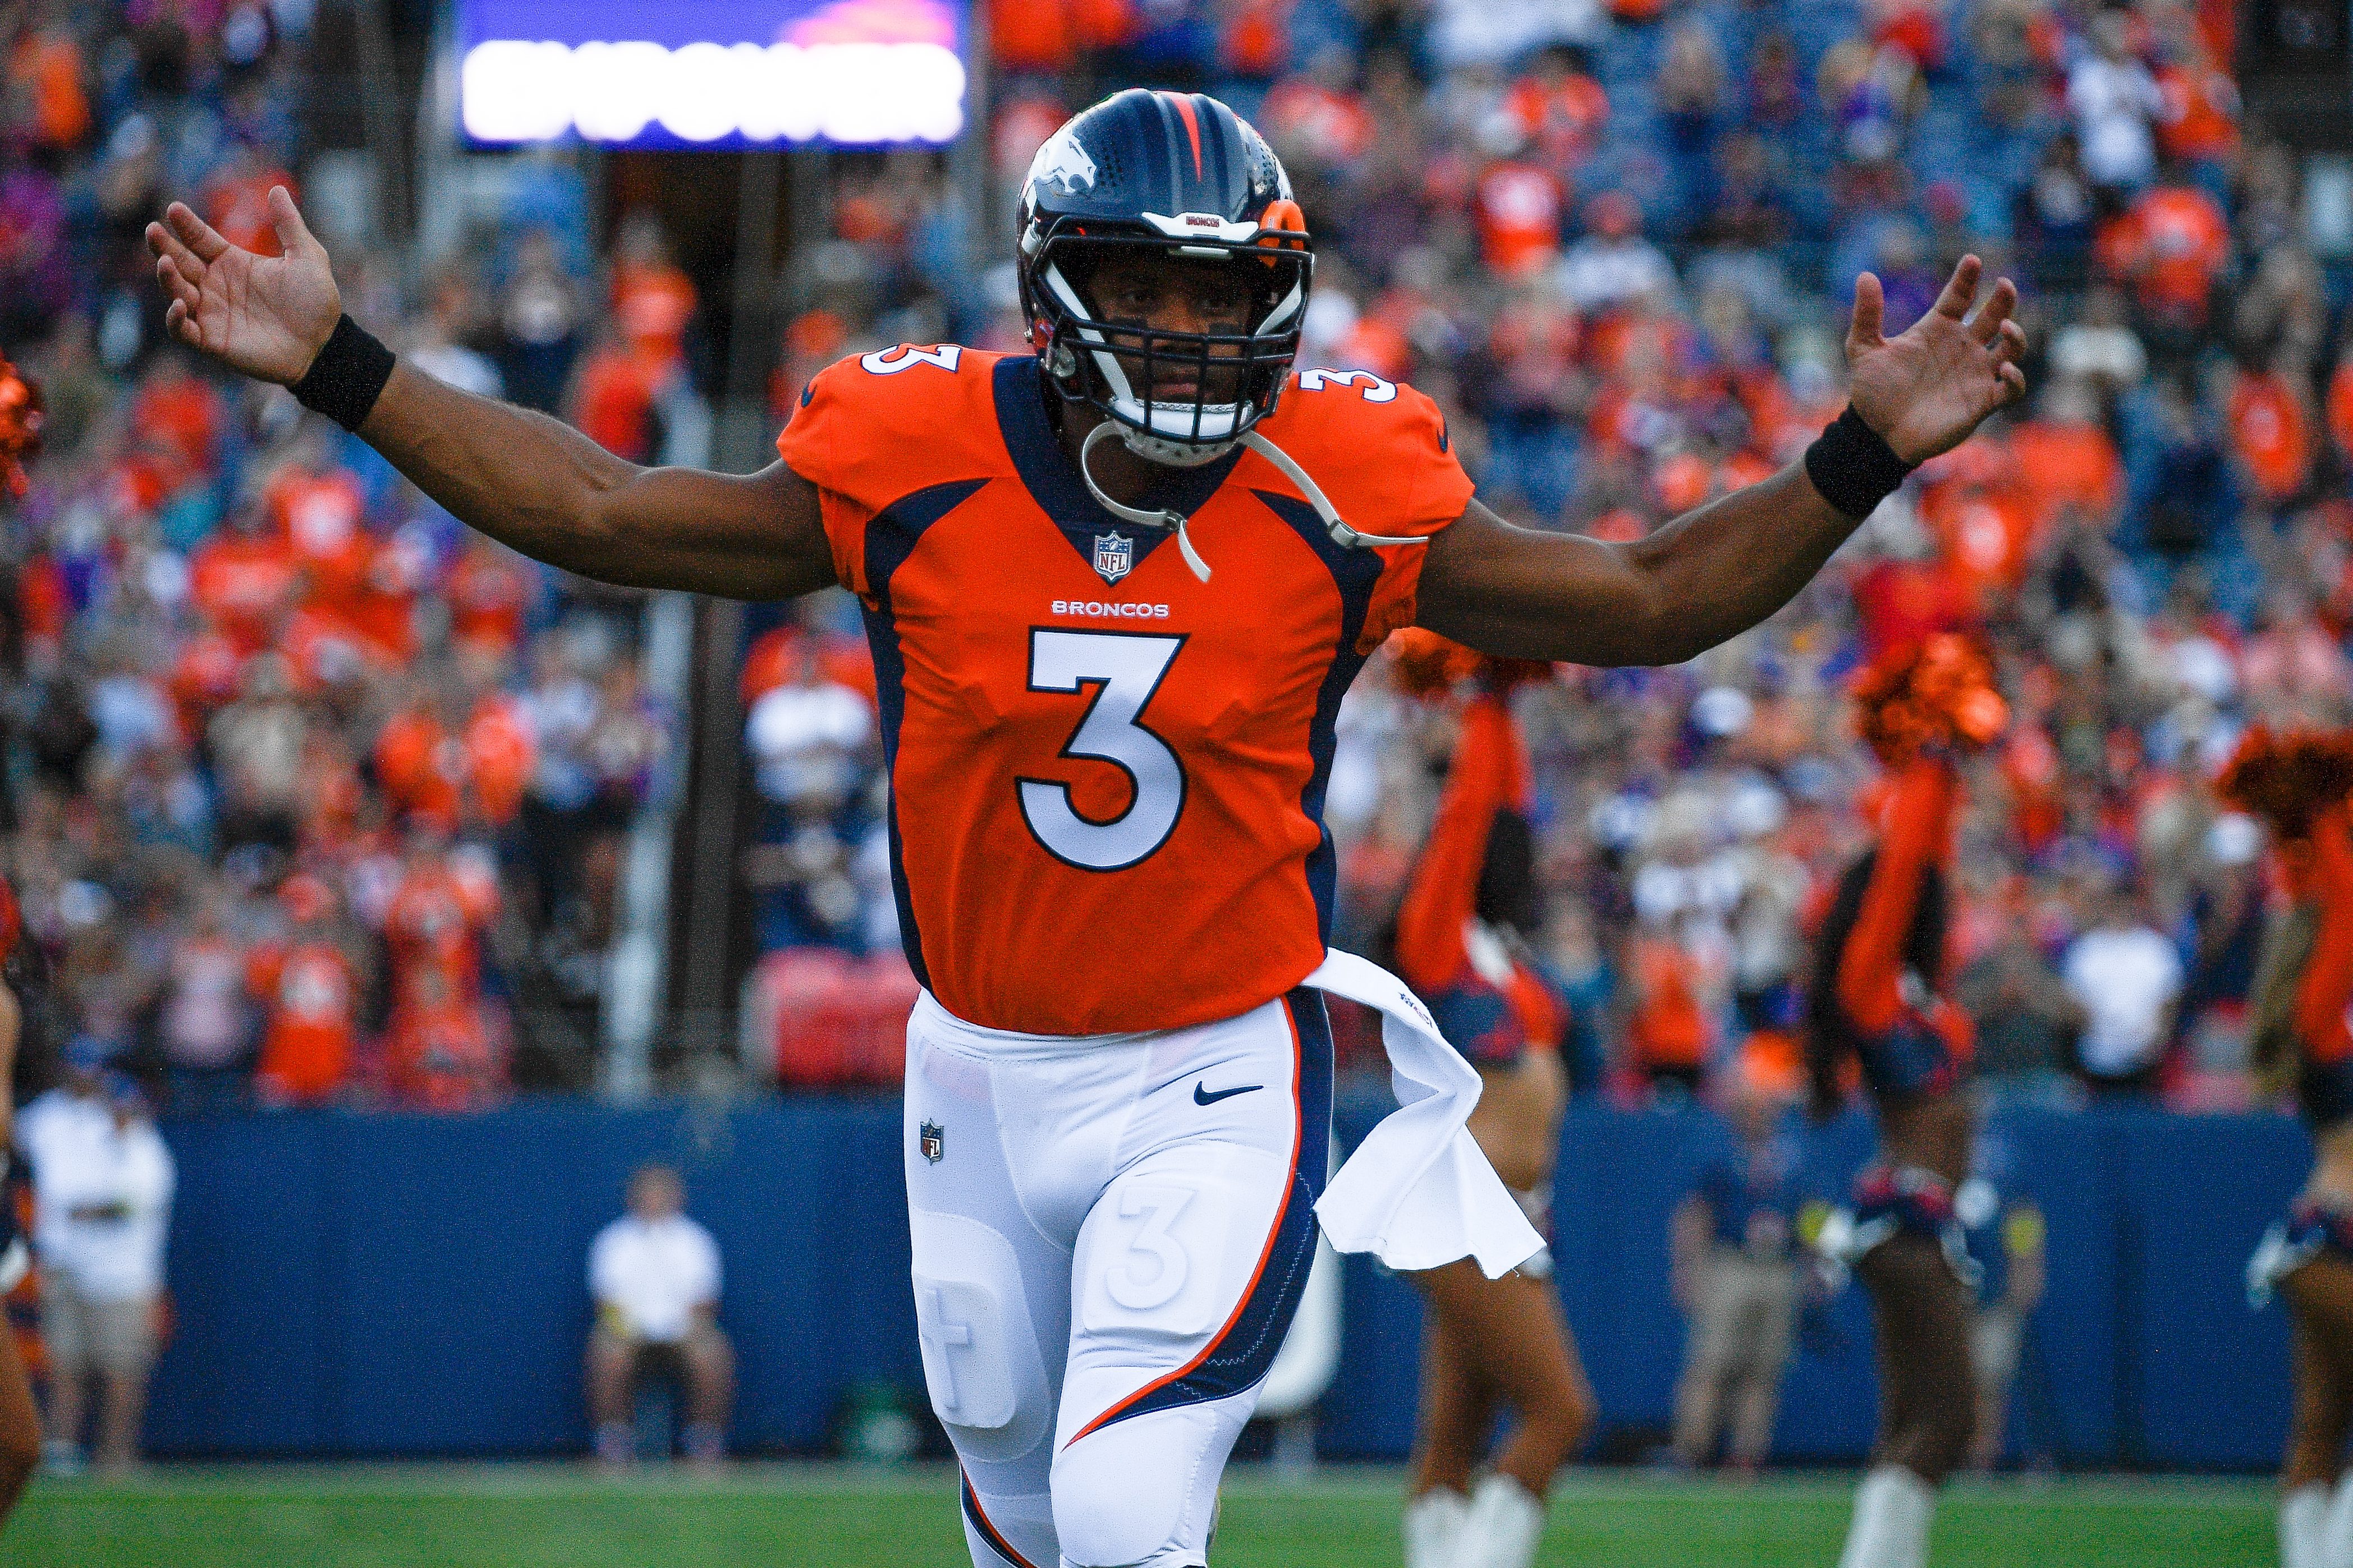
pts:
pixel 542 1516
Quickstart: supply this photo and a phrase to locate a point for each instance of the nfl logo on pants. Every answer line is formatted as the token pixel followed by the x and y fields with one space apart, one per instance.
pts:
pixel 931 1141
pixel 1115 553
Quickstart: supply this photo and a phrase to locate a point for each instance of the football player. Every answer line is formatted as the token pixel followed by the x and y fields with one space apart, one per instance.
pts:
pixel 1116 586
pixel 2298 782
pixel 1878 996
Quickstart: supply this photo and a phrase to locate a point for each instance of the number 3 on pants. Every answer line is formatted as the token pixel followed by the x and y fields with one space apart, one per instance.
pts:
pixel 1125 668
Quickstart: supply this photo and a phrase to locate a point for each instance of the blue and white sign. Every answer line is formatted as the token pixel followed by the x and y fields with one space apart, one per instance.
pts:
pixel 719 74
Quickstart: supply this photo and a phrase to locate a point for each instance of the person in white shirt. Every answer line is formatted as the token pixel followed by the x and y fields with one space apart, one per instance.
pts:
pixel 102 1184
pixel 2125 977
pixel 655 1277
pixel 2115 101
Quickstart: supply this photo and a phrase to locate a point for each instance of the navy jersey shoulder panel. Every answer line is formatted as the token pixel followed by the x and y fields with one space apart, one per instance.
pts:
pixel 892 535
pixel 1046 474
pixel 1355 574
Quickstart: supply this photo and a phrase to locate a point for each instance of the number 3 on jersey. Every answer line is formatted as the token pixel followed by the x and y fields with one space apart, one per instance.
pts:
pixel 1125 668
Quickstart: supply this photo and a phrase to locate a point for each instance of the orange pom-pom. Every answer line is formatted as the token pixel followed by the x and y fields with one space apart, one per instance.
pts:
pixel 1938 692
pixel 20 427
pixel 1429 664
pixel 2284 779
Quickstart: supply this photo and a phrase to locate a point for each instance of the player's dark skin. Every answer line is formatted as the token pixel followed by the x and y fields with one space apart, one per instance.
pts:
pixel 546 489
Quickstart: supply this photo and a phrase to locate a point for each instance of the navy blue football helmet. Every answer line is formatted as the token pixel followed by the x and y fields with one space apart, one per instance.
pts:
pixel 1182 175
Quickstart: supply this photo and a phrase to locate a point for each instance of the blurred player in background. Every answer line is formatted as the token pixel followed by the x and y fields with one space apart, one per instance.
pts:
pixel 2298 782
pixel 1469 914
pixel 20 1420
pixel 1108 757
pixel 1878 997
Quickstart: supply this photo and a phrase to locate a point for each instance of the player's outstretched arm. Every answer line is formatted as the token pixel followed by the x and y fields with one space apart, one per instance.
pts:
pixel 1714 572
pixel 525 480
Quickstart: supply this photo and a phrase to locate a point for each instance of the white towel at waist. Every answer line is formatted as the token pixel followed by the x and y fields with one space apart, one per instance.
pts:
pixel 1417 1193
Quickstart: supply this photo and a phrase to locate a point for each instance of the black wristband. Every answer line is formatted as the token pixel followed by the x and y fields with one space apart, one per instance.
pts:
pixel 1853 466
pixel 347 377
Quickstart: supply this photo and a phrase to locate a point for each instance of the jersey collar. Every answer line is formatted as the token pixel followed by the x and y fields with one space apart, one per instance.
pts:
pixel 1020 394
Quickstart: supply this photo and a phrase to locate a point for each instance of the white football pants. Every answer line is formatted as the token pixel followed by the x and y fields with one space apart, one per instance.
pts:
pixel 1110 1233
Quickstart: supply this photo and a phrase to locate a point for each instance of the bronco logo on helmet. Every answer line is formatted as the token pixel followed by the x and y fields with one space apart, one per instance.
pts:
pixel 1063 163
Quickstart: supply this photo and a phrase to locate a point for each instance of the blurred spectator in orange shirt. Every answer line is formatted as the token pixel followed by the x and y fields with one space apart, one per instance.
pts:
pixel 237 202
pixel 2199 121
pixel 2172 245
pixel 2271 433
pixel 244 578
pixel 1316 120
pixel 613 403
pixel 1667 1035
pixel 383 613
pixel 181 410
pixel 455 754
pixel 1256 42
pixel 1046 36
pixel 204 679
pixel 490 589
pixel 317 509
pixel 2341 399
pixel 1519 205
pixel 653 298
pixel 433 924
pixel 1984 518
pixel 45 67
pixel 439 1053
pixel 1903 602
pixel 309 990
pixel 2063 457
pixel 1559 108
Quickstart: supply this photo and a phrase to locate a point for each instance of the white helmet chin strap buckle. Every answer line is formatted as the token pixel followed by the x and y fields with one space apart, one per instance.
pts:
pixel 1342 535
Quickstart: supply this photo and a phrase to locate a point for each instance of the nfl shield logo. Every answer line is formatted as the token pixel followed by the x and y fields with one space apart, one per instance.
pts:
pixel 1115 553
pixel 931 1141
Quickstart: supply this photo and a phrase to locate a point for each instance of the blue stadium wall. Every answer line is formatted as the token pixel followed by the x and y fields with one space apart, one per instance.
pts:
pixel 382 1285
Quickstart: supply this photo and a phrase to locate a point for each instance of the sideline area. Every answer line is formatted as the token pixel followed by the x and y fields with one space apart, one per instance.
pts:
pixel 755 1516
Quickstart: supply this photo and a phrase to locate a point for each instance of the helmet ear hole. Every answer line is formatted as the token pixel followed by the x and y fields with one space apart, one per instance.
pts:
pixel 1282 227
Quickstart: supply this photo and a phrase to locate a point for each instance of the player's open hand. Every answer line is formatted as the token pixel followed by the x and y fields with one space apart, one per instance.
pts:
pixel 1926 389
pixel 265 315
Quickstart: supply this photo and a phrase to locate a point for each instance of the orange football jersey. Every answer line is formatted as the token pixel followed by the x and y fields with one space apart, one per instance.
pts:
pixel 1107 775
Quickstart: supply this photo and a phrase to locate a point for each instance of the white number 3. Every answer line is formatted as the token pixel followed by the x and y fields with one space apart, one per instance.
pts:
pixel 1126 670
pixel 1375 389
pixel 883 363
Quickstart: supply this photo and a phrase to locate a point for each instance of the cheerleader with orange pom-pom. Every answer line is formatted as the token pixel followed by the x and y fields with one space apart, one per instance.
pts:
pixel 2298 783
pixel 1877 1000
pixel 20 1422
pixel 1471 907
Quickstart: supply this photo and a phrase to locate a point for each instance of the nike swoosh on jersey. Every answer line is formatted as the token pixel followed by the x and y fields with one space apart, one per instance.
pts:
pixel 1202 1097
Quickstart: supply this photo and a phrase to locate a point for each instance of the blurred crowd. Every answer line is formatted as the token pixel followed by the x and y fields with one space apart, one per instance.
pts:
pixel 1616 241
pixel 311 794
